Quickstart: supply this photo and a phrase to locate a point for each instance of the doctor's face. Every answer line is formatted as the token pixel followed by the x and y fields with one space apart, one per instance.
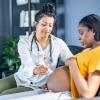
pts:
pixel 45 26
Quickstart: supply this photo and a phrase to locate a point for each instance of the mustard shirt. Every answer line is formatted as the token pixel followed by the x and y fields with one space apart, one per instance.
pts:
pixel 88 61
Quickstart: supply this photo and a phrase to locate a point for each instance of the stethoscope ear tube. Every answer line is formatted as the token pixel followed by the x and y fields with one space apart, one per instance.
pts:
pixel 34 38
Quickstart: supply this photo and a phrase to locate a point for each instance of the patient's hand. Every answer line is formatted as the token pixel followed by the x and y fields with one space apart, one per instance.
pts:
pixel 70 61
pixel 59 80
pixel 45 88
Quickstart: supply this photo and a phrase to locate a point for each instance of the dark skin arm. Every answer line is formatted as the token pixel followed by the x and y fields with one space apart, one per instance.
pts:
pixel 87 88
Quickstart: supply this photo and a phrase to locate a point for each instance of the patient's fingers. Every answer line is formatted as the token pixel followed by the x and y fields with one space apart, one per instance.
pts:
pixel 45 88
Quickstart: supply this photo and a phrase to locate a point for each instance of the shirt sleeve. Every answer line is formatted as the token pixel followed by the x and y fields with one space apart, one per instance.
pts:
pixel 25 57
pixel 94 63
pixel 65 53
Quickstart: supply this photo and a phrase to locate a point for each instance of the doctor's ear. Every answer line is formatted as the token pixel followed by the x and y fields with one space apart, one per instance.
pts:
pixel 34 24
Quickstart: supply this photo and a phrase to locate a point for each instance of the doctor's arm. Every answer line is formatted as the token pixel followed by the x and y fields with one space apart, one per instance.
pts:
pixel 26 60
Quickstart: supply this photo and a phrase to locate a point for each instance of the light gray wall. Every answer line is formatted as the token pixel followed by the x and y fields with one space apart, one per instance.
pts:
pixel 75 10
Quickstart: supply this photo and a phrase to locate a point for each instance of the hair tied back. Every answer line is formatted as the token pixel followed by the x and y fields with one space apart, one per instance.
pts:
pixel 49 7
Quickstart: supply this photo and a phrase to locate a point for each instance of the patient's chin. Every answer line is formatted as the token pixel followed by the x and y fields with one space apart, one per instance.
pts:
pixel 59 80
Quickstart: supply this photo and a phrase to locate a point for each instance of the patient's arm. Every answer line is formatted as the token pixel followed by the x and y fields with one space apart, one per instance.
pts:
pixel 59 80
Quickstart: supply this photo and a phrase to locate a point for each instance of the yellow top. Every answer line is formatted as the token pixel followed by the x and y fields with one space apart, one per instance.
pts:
pixel 88 61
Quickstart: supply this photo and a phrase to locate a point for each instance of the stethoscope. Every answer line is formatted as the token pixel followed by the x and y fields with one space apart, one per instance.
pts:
pixel 34 38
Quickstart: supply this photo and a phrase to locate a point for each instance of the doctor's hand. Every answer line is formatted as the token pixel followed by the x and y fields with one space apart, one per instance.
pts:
pixel 42 69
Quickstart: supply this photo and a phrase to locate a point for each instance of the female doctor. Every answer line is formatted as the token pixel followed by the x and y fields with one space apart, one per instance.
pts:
pixel 39 54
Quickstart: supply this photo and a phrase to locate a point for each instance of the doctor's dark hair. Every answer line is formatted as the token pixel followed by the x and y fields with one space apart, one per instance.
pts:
pixel 92 22
pixel 48 9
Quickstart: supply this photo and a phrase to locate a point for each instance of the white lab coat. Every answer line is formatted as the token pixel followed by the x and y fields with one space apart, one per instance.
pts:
pixel 31 59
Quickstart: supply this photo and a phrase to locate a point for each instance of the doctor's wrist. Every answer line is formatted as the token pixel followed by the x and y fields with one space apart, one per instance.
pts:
pixel 34 72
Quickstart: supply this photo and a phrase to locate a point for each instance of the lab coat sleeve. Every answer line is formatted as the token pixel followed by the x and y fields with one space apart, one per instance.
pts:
pixel 25 57
pixel 65 52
